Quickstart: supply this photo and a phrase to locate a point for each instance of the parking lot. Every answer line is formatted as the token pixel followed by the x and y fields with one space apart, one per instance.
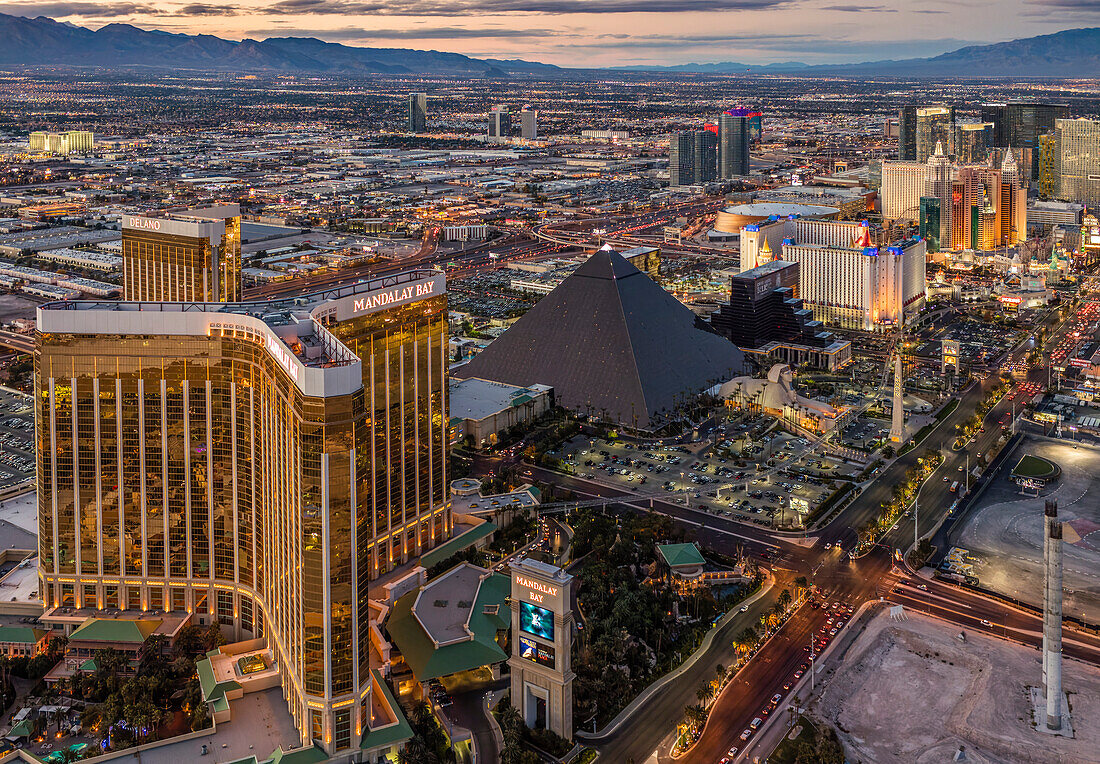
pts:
pixel 719 475
pixel 16 439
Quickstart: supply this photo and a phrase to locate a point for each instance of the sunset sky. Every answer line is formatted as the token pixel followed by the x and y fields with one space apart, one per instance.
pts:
pixel 607 32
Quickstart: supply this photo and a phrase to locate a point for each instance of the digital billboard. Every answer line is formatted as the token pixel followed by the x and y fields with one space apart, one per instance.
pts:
pixel 536 620
pixel 533 651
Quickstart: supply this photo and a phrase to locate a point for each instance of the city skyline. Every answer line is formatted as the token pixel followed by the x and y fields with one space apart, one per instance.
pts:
pixel 606 34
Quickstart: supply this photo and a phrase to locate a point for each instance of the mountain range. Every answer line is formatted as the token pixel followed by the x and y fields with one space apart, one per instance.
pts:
pixel 1073 53
pixel 41 41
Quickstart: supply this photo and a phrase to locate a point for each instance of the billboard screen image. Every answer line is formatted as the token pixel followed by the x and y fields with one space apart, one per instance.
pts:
pixel 533 651
pixel 536 620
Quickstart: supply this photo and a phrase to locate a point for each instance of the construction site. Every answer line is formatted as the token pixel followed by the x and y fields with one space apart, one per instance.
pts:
pixel 913 690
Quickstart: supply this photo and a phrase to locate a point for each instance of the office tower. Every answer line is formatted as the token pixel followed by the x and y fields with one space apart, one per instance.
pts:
pixel 528 124
pixel 733 146
pixel 847 275
pixel 1048 165
pixel 901 190
pixel 935 124
pixel 1019 125
pixel 255 464
pixel 930 207
pixel 706 156
pixel 972 142
pixel 182 255
pixel 1078 165
pixel 907 133
pixel 418 113
pixel 939 175
pixel 500 123
pixel 681 159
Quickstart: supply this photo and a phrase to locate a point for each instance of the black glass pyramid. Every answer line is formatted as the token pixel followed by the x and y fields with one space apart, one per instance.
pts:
pixel 613 344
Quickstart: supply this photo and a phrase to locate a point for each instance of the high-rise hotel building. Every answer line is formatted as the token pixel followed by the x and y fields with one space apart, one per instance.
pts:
pixel 183 255
pixel 257 463
pixel 849 274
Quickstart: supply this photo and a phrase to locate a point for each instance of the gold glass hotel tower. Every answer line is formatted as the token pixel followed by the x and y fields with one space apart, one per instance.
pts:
pixel 258 463
pixel 182 255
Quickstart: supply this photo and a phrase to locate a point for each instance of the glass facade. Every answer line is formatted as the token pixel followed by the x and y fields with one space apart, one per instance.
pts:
pixel 256 463
pixel 190 256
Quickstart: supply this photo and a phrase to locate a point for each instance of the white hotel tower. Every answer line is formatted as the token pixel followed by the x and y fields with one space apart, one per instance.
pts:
pixel 846 278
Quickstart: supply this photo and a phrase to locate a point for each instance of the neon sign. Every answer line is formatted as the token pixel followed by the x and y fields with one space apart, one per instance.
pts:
pixel 149 224
pixel 394 296
pixel 282 354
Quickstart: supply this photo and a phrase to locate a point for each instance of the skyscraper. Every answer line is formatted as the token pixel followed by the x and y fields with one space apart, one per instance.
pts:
pixel 255 464
pixel 1019 124
pixel 733 146
pixel 989 206
pixel 938 183
pixel 681 159
pixel 907 133
pixel 706 156
pixel 692 157
pixel 935 124
pixel 528 124
pixel 930 207
pixel 182 255
pixel 902 188
pixel 1048 165
pixel 500 123
pixel 418 113
pixel 1078 166
pixel 972 142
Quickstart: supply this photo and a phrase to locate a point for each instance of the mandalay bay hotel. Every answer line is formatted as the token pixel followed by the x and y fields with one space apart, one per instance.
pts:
pixel 259 463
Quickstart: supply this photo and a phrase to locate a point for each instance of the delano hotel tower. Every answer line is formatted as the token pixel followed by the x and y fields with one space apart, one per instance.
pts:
pixel 255 462
pixel 192 255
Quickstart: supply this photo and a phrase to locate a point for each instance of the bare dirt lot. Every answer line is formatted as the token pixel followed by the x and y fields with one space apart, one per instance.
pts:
pixel 1005 532
pixel 911 691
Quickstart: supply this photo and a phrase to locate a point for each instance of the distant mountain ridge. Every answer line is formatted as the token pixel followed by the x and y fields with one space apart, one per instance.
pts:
pixel 1072 53
pixel 41 41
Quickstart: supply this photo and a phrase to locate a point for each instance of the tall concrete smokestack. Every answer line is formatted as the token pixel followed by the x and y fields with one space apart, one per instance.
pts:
pixel 1050 511
pixel 1052 618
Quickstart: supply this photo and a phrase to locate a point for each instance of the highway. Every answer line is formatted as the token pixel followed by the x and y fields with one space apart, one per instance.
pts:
pixel 23 343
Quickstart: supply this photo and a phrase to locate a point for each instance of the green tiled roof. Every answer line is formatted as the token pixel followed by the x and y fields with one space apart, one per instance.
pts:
pixel 212 689
pixel 429 662
pixel 457 544
pixel 311 755
pixel 20 634
pixel 89 665
pixel 680 554
pixel 393 733
pixel 111 630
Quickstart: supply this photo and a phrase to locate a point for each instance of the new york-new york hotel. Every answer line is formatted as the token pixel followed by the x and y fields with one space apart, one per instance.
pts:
pixel 260 463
